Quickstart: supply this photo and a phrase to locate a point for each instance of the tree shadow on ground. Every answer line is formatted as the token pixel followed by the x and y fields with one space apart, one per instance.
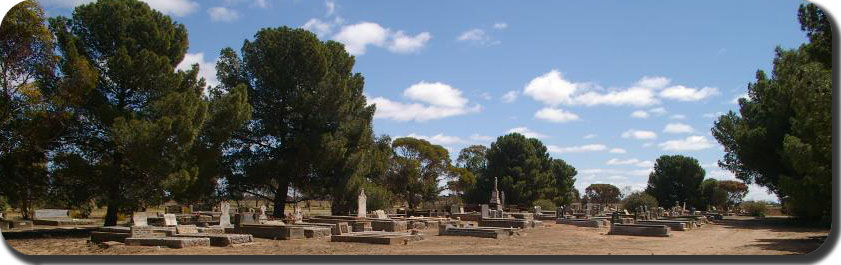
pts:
pixel 799 246
pixel 774 224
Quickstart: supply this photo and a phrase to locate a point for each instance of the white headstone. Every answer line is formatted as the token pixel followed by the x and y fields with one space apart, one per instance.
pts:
pixel 169 220
pixel 262 216
pixel 297 215
pixel 51 213
pixel 361 204
pixel 381 214
pixel 225 218
pixel 139 219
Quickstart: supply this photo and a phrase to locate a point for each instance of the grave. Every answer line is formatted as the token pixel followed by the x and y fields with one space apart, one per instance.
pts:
pixel 673 225
pixel 218 240
pixel 283 232
pixel 169 220
pixel 484 232
pixel 362 226
pixel 507 223
pixel 385 238
pixel 262 218
pixel 336 228
pixel 57 217
pixel 639 230
pixel 172 242
pixel 225 216
pixel 581 222
pixel 361 204
pixel 139 219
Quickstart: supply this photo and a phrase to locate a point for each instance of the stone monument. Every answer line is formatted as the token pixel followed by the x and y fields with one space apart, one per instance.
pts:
pixel 262 218
pixel 494 203
pixel 361 204
pixel 225 217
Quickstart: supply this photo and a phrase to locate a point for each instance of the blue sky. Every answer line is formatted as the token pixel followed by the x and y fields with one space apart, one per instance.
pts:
pixel 608 86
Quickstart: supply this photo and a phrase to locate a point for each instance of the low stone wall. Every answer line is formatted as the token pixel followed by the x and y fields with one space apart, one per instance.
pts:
pixel 172 242
pixel 639 230
pixel 484 232
pixel 673 225
pixel 272 231
pixel 389 225
pixel 63 222
pixel 580 222
pixel 222 240
pixel 505 222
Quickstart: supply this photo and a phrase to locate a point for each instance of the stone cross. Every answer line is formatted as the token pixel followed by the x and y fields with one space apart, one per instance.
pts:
pixel 297 215
pixel 225 218
pixel 361 204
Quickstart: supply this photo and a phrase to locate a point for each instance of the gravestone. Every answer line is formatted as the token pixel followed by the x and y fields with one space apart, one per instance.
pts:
pixel 485 211
pixel 51 213
pixel 538 210
pixel 139 219
pixel 142 231
pixel 297 215
pixel 170 220
pixel 186 229
pixel 262 218
pixel 380 214
pixel 225 218
pixel 361 204
pixel 245 218
pixel 502 200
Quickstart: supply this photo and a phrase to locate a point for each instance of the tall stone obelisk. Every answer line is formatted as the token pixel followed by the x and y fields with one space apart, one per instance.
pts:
pixel 494 203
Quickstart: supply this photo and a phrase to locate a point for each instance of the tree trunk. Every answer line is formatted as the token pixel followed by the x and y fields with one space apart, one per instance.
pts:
pixel 280 199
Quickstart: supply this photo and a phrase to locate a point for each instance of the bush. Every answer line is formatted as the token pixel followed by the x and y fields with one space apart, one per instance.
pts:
pixel 4 204
pixel 546 205
pixel 755 208
pixel 378 197
pixel 637 199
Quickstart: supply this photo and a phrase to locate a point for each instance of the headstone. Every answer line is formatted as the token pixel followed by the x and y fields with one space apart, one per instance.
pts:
pixel 502 199
pixel 225 218
pixel 142 231
pixel 381 214
pixel 245 218
pixel 485 211
pixel 538 210
pixel 173 209
pixel 361 204
pixel 262 218
pixel 51 213
pixel 139 219
pixel 186 229
pixel 495 194
pixel 614 218
pixel 169 220
pixel 297 215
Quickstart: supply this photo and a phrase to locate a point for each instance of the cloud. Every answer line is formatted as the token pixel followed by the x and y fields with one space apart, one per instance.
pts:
pixel 691 143
pixel 678 128
pixel 678 117
pixel 481 138
pixel 550 88
pixel 319 27
pixel 358 37
pixel 577 149
pixel 527 133
pixel 510 96
pixel 478 37
pixel 639 134
pixel 387 109
pixel 555 115
pixel 207 69
pixel 658 111
pixel 618 151
pixel 222 14
pixel 437 93
pixel 177 8
pixel 590 136
pixel 331 7
pixel 682 93
pixel 500 25
pixel 632 161
pixel 439 139
pixel 639 114
pixel 403 43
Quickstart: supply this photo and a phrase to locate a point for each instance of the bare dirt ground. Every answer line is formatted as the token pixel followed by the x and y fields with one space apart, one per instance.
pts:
pixel 733 236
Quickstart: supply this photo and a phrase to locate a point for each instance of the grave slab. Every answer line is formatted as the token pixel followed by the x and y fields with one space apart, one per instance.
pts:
pixel 172 242
pixel 385 238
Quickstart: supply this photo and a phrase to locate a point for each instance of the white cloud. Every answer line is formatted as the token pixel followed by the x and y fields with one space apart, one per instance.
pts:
pixel 439 139
pixel 207 69
pixel 634 96
pixel 500 25
pixel 617 177
pixel 357 37
pixel 222 14
pixel 639 114
pixel 632 161
pixel 331 7
pixel 590 136
pixel 319 27
pixel 481 138
pixel 658 111
pixel 678 128
pixel 656 82
pixel 639 134
pixel 577 149
pixel 691 143
pixel 403 43
pixel 678 117
pixel 178 8
pixel 527 133
pixel 437 93
pixel 618 151
pixel 682 93
pixel 550 88
pixel 555 115
pixel 477 36
pixel 510 96
pixel 387 109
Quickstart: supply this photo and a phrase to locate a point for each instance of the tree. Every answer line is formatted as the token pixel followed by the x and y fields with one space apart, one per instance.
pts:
pixel 735 192
pixel 134 116
pixel 782 136
pixel 417 167
pixel 30 123
pixel 637 199
pixel 712 194
pixel 602 194
pixel 522 166
pixel 470 164
pixel 564 192
pixel 676 179
pixel 310 126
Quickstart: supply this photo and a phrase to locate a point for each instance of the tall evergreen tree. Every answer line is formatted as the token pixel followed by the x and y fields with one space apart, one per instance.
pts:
pixel 416 169
pixel 135 116
pixel 676 179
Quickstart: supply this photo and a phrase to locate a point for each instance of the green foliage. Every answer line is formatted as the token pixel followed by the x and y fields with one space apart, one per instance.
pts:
pixel 545 204
pixel 378 197
pixel 735 191
pixel 676 179
pixel 637 199
pixel 417 167
pixel 134 116
pixel 4 203
pixel 782 136
pixel 755 208
pixel 602 193
pixel 713 195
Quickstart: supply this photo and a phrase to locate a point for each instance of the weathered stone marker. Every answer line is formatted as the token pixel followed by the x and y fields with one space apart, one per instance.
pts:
pixel 362 204
pixel 225 218
pixel 486 211
pixel 262 218
pixel 139 219
pixel 142 232
pixel 51 213
pixel 170 220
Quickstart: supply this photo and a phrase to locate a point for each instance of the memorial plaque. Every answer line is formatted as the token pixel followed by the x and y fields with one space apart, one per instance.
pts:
pixel 139 219
pixel 186 229
pixel 170 220
pixel 142 231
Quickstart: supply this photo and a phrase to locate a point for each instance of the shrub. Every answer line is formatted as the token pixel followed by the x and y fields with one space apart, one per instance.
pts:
pixel 638 198
pixel 378 197
pixel 546 205
pixel 755 208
